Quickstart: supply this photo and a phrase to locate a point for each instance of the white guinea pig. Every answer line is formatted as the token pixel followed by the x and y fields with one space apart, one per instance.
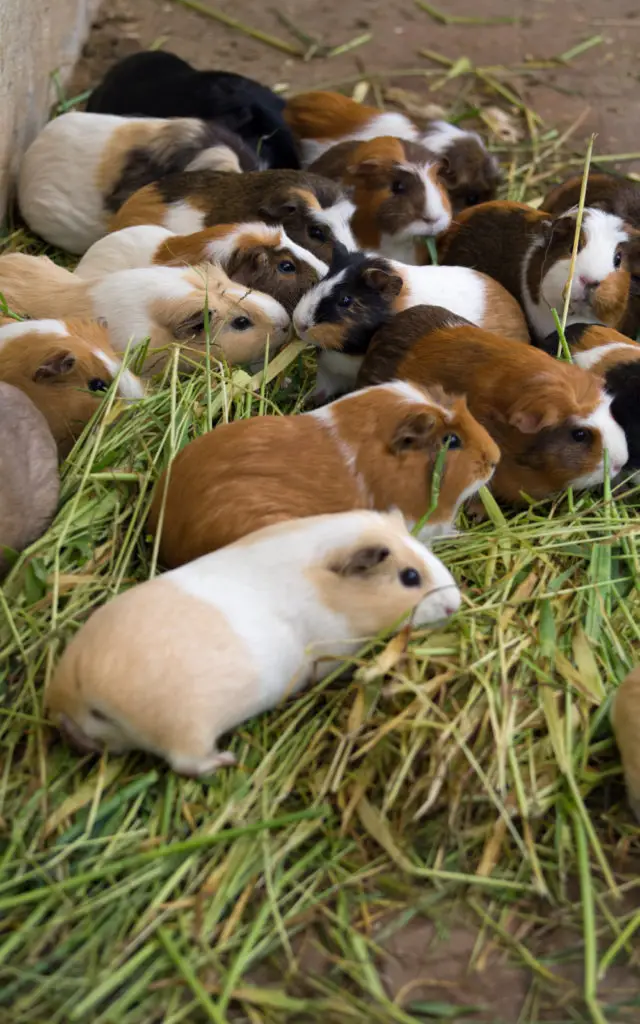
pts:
pixel 241 629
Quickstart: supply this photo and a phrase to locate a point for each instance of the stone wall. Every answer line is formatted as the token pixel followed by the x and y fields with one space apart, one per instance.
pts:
pixel 37 37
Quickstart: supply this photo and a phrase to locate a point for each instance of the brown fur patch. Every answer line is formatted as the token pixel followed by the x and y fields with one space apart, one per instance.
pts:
pixel 558 245
pixel 181 250
pixel 145 206
pixel 326 115
pixel 131 134
pixel 610 298
pixel 503 315
pixel 326 335
pixel 36 287
pixel 625 718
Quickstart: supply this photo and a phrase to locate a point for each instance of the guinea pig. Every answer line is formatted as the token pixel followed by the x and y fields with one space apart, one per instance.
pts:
pixel 375 449
pixel 258 255
pixel 604 192
pixel 314 211
pixel 551 420
pixel 29 481
pixel 155 83
pixel 242 629
pixel 362 292
pixel 625 718
pixel 322 120
pixel 64 367
pixel 397 190
pixel 616 359
pixel 81 167
pixel 529 253
pixel 164 304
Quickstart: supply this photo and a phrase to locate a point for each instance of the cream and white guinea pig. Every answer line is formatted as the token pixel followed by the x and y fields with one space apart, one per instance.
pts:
pixel 529 252
pixel 625 718
pixel 325 119
pixel 82 167
pixel 164 304
pixel 551 420
pixel 362 292
pixel 64 367
pixel 29 481
pixel 258 255
pixel 242 629
pixel 399 195
pixel 375 449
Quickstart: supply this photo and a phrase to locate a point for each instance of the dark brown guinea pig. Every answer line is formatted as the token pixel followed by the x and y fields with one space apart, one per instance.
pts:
pixel 314 211
pixel 529 252
pixel 604 192
pixel 550 419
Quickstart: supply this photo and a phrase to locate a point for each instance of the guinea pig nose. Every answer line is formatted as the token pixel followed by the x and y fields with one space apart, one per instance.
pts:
pixel 588 282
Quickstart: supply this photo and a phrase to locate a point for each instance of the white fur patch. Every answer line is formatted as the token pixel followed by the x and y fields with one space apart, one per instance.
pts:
pixel 271 308
pixel 216 158
pixel 590 357
pixel 613 439
pixel 124 299
pixel 337 373
pixel 303 254
pixel 303 314
pixel 435 210
pixel 441 135
pixel 338 218
pixel 183 219
pixel 122 250
pixel 19 328
pixel 458 289
pixel 397 125
pixel 128 385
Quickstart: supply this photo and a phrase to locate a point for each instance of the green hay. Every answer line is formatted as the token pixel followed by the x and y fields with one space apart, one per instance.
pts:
pixel 471 770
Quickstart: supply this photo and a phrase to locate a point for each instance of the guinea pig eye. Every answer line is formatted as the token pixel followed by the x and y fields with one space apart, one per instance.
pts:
pixel 451 441
pixel 581 435
pixel 316 233
pixel 345 301
pixel 617 260
pixel 95 384
pixel 241 323
pixel 398 188
pixel 410 578
pixel 286 267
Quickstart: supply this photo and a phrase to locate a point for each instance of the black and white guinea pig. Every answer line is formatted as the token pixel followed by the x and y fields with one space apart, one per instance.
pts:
pixel 159 84
pixel 82 167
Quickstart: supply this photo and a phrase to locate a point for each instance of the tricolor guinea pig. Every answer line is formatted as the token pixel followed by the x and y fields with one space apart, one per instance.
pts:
pixel 529 252
pixel 242 629
pixel 29 481
pixel 362 292
pixel 551 420
pixel 604 192
pixel 615 358
pixel 397 191
pixel 625 718
pixel 322 120
pixel 164 304
pixel 258 255
pixel 375 449
pixel 155 83
pixel 314 211
pixel 64 367
pixel 82 167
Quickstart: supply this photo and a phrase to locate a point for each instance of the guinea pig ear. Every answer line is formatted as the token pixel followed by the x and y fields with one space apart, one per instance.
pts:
pixel 537 408
pixel 383 281
pixel 362 561
pixel 194 324
pixel 414 433
pixel 55 366
pixel 102 321
pixel 366 168
pixel 281 206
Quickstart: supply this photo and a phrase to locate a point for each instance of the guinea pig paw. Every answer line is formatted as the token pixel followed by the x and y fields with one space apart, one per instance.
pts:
pixel 476 512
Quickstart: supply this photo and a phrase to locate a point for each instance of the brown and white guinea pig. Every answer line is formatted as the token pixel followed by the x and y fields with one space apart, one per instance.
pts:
pixel 322 120
pixel 164 304
pixel 242 629
pixel 82 167
pixel 550 419
pixel 529 252
pixel 258 255
pixel 616 359
pixel 604 192
pixel 362 292
pixel 397 190
pixel 29 481
pixel 314 211
pixel 625 718
pixel 375 449
pixel 64 367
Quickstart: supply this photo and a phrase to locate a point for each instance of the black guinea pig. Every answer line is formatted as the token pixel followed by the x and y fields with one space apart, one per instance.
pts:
pixel 158 84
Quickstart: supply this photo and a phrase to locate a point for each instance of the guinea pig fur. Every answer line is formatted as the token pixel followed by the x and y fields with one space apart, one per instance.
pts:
pixel 625 718
pixel 362 292
pixel 64 367
pixel 616 359
pixel 164 304
pixel 374 449
pixel 397 190
pixel 314 211
pixel 550 419
pixel 258 255
pixel 29 481
pixel 529 252
pixel 155 83
pixel 604 192
pixel 242 629
pixel 81 167
pixel 470 173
